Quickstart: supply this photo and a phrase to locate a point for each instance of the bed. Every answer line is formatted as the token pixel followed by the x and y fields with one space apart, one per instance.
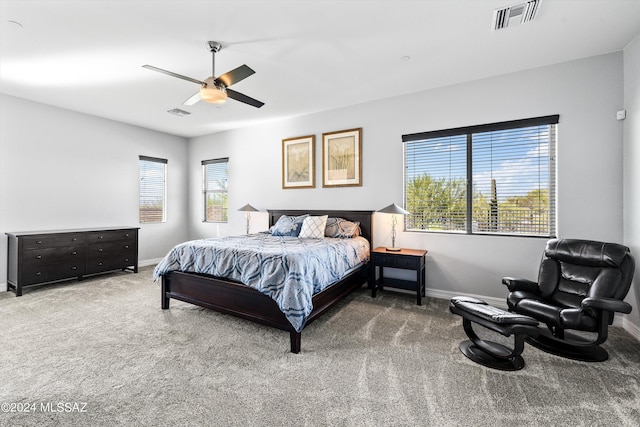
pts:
pixel 236 298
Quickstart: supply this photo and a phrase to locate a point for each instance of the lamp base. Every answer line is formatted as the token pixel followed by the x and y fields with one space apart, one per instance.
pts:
pixel 394 249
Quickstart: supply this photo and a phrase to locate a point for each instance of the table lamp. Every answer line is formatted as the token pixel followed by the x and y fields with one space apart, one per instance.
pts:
pixel 394 210
pixel 247 209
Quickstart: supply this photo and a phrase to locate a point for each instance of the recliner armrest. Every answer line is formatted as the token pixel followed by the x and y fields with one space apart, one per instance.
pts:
pixel 515 284
pixel 609 304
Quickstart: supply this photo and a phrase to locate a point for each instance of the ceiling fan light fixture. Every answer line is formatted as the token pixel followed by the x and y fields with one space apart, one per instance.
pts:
pixel 213 94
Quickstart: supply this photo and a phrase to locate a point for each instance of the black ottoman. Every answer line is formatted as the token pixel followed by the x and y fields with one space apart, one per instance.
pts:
pixel 488 353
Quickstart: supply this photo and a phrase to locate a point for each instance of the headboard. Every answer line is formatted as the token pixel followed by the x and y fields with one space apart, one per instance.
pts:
pixel 365 218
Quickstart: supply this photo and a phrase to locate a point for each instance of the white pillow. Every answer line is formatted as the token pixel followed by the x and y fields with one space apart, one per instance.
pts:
pixel 313 227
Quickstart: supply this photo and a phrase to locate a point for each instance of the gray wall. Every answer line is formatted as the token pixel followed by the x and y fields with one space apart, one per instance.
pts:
pixel 61 169
pixel 585 93
pixel 631 170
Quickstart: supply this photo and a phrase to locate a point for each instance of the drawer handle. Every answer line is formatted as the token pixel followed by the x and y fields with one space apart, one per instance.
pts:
pixel 126 235
pixel 39 257
pixel 74 253
pixel 74 239
pixel 39 242
pixel 126 246
pixel 38 274
pixel 100 250
pixel 126 259
pixel 100 264
pixel 74 268
pixel 100 237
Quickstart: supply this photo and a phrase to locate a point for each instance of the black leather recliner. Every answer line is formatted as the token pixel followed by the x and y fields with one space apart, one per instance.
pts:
pixel 581 284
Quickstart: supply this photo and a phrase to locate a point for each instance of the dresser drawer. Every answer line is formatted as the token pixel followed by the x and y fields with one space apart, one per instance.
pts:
pixel 39 257
pixel 111 235
pixel 110 248
pixel 52 241
pixel 48 273
pixel 98 265
pixel 397 261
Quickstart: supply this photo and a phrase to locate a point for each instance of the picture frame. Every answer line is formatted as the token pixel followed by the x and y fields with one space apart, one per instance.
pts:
pixel 298 162
pixel 342 158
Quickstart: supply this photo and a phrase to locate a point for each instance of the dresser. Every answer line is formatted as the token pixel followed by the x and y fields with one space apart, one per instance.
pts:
pixel 39 257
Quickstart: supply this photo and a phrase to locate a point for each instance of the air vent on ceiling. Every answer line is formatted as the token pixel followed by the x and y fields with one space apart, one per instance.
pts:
pixel 178 112
pixel 513 15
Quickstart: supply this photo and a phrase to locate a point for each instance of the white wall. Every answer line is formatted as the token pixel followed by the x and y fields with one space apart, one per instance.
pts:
pixel 586 93
pixel 631 169
pixel 61 169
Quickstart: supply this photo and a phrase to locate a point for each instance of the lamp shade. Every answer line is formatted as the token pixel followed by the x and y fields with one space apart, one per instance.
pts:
pixel 394 209
pixel 248 208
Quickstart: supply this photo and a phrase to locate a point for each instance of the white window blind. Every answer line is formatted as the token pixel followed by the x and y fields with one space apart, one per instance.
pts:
pixel 497 178
pixel 436 183
pixel 215 183
pixel 153 191
pixel 513 180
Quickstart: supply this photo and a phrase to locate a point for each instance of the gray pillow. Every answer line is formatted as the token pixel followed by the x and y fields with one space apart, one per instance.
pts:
pixel 288 225
pixel 341 228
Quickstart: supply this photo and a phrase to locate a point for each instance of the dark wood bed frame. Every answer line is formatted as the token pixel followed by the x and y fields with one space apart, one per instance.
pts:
pixel 231 297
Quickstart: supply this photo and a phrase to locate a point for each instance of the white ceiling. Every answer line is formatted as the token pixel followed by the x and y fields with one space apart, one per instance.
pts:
pixel 309 56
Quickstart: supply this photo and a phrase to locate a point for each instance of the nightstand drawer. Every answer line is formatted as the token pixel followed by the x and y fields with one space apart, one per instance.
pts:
pixel 397 261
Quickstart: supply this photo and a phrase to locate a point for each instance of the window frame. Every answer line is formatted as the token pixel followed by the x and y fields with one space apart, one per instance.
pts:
pixel 164 163
pixel 469 131
pixel 206 191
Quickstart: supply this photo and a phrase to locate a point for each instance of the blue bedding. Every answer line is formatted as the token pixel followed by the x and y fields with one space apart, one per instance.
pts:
pixel 289 270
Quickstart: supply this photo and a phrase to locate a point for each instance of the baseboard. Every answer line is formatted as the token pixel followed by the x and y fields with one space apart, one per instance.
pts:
pixel 148 262
pixel 3 287
pixel 632 328
pixel 496 302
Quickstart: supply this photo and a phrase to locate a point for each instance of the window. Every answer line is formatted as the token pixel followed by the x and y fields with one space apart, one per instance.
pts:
pixel 216 198
pixel 153 189
pixel 497 178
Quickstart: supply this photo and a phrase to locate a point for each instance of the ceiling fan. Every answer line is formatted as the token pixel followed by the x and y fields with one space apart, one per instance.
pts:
pixel 213 89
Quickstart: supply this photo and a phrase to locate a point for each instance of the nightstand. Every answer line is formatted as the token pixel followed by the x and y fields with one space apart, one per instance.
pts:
pixel 406 259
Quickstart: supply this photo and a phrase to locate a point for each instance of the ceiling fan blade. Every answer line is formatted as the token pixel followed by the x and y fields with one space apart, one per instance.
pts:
pixel 244 98
pixel 234 76
pixel 193 99
pixel 170 73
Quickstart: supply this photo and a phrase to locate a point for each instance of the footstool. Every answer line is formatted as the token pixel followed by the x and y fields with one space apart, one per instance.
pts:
pixel 489 353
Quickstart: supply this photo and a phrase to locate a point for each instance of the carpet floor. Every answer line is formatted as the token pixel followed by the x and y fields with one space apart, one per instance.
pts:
pixel 101 352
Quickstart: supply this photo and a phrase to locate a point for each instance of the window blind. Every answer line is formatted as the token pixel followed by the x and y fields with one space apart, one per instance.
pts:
pixel 513 180
pixel 152 200
pixel 215 183
pixel 492 179
pixel 435 183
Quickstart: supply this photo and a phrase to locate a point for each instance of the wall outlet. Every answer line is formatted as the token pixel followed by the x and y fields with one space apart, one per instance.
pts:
pixel 621 115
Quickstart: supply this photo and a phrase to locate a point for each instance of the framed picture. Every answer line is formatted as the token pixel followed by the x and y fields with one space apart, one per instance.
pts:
pixel 342 158
pixel 298 159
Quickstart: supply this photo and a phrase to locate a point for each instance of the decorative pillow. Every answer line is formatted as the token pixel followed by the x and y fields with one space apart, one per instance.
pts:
pixel 288 225
pixel 313 227
pixel 340 227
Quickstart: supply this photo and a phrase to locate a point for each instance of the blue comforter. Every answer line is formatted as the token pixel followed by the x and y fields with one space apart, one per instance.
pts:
pixel 290 270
